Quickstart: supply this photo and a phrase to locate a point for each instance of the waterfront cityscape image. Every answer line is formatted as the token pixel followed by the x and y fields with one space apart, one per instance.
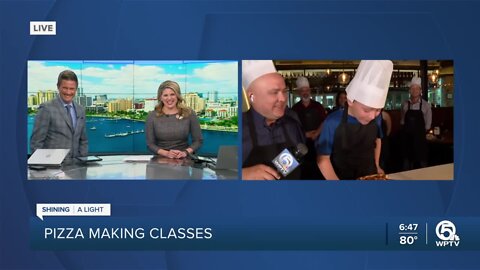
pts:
pixel 117 97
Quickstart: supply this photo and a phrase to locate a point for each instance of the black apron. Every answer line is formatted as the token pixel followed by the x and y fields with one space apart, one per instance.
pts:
pixel 385 153
pixel 353 153
pixel 264 154
pixel 310 121
pixel 415 141
pixel 309 117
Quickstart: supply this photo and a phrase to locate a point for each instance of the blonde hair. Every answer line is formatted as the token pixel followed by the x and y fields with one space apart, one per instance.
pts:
pixel 183 110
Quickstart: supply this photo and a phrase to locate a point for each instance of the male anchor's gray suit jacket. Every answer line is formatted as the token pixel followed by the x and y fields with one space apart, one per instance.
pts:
pixel 52 129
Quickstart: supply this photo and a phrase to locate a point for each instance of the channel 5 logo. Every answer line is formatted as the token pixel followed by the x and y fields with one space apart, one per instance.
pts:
pixel 447 233
pixel 286 160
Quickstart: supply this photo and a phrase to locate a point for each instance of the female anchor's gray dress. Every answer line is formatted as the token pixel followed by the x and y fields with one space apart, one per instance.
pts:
pixel 168 132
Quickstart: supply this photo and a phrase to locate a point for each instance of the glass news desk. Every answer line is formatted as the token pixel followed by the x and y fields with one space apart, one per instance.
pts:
pixel 116 168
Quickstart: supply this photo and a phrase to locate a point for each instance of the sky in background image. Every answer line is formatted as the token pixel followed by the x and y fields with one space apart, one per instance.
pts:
pixel 138 78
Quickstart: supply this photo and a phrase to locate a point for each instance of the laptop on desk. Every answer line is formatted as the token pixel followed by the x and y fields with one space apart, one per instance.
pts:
pixel 48 157
pixel 227 158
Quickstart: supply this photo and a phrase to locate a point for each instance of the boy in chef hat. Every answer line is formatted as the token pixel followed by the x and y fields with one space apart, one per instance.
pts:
pixel 350 143
pixel 268 127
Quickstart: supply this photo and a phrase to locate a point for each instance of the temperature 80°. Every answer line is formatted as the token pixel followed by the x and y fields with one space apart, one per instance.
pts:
pixel 408 240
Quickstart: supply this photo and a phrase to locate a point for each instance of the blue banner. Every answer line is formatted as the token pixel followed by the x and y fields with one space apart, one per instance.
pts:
pixel 255 234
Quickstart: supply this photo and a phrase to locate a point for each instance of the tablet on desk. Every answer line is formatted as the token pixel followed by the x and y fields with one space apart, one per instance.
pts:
pixel 89 159
pixel 199 159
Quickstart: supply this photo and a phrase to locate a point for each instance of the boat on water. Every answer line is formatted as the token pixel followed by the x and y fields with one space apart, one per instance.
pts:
pixel 93 128
pixel 136 131
pixel 123 134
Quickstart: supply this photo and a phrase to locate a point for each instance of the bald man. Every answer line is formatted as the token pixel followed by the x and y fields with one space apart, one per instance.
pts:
pixel 268 127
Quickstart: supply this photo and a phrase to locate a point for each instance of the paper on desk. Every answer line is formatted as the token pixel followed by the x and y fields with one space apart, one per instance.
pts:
pixel 140 158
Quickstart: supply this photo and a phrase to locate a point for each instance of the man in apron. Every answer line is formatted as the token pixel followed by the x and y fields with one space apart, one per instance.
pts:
pixel 350 143
pixel 311 114
pixel 416 121
pixel 268 127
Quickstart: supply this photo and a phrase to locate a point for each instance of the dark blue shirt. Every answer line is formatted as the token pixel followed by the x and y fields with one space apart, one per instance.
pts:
pixel 272 134
pixel 324 143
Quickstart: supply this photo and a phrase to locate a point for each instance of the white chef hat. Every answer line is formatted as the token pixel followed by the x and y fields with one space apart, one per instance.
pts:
pixel 371 82
pixel 416 80
pixel 253 69
pixel 302 82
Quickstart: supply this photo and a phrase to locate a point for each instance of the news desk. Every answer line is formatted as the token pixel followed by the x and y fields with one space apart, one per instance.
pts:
pixel 116 168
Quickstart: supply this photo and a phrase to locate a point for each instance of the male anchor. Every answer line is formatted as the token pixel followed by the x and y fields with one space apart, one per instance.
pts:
pixel 60 123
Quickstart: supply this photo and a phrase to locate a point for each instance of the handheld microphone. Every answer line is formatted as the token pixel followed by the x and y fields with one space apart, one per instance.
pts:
pixel 286 162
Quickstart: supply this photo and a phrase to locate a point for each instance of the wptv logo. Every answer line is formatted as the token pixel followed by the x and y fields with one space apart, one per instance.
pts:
pixel 285 162
pixel 447 233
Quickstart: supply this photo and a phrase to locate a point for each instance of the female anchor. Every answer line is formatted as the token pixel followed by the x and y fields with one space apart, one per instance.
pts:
pixel 170 124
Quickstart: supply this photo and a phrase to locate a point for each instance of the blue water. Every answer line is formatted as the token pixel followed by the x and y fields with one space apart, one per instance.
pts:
pixel 135 143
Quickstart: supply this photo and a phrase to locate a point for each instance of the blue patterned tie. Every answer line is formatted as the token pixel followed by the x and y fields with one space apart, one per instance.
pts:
pixel 69 111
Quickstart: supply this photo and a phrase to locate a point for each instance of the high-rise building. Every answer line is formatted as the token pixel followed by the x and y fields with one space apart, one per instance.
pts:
pixel 195 102
pixel 120 105
pixel 44 96
pixel 113 106
pixel 50 95
pixel 100 99
pixel 41 98
pixel 32 100
pixel 201 105
pixel 150 104
pixel 213 96
pixel 83 100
